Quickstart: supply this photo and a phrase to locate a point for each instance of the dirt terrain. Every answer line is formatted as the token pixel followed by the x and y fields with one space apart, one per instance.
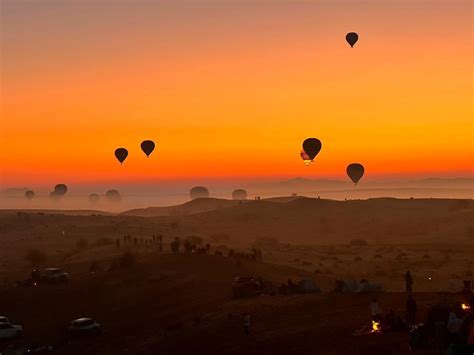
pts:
pixel 168 304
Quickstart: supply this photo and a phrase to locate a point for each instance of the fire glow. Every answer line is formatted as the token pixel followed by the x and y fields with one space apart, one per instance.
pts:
pixel 375 327
pixel 465 307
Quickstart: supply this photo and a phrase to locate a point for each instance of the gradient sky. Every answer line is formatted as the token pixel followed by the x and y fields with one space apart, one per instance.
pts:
pixel 231 89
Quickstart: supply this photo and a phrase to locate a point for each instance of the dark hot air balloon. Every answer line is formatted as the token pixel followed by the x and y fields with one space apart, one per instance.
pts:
pixel 29 194
pixel 199 192
pixel 121 154
pixel 113 196
pixel 93 198
pixel 239 194
pixel 305 158
pixel 355 172
pixel 352 38
pixel 311 147
pixel 148 147
pixel 60 189
pixel 54 196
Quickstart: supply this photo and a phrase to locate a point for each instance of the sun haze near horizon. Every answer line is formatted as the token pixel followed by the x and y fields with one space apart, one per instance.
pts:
pixel 231 90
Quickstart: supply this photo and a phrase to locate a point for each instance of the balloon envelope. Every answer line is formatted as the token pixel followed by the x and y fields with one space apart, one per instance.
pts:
pixel 199 192
pixel 311 147
pixel 60 189
pixel 352 38
pixel 355 172
pixel 94 198
pixel 121 154
pixel 54 196
pixel 113 195
pixel 239 194
pixel 148 147
pixel 29 194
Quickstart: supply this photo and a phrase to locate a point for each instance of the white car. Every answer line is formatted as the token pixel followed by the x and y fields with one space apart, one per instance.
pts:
pixel 85 326
pixel 8 331
pixel 4 319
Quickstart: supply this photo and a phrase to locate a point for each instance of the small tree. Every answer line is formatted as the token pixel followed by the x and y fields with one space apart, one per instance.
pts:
pixel 35 257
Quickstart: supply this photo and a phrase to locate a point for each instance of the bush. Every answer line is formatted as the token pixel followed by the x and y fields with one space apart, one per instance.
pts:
pixel 194 239
pixel 104 241
pixel 358 242
pixel 35 257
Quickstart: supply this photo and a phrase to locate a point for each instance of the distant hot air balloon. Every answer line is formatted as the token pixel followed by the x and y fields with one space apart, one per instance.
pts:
pixel 305 158
pixel 54 196
pixel 93 198
pixel 199 192
pixel 113 196
pixel 60 189
pixel 311 147
pixel 352 38
pixel 121 154
pixel 355 172
pixel 148 147
pixel 239 194
pixel 29 194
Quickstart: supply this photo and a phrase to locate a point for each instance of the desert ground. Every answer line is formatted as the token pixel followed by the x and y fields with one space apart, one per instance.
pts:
pixel 164 303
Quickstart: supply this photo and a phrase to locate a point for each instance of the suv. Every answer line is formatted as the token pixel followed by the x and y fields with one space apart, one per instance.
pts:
pixel 247 286
pixel 8 331
pixel 4 320
pixel 55 275
pixel 84 326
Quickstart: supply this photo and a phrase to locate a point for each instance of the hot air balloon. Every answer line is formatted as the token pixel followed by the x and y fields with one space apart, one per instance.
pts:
pixel 121 154
pixel 113 196
pixel 311 147
pixel 54 196
pixel 239 194
pixel 93 198
pixel 199 192
pixel 355 172
pixel 148 147
pixel 305 158
pixel 29 194
pixel 352 38
pixel 60 189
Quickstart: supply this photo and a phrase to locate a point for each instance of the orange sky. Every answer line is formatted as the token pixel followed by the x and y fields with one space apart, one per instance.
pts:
pixel 232 90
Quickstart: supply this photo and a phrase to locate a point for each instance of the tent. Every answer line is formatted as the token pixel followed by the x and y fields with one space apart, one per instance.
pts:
pixel 307 286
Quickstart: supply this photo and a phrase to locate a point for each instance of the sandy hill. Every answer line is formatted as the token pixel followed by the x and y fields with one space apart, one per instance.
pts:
pixel 198 205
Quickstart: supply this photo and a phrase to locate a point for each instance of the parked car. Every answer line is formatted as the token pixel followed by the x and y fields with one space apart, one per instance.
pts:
pixel 55 275
pixel 84 326
pixel 4 319
pixel 247 286
pixel 8 331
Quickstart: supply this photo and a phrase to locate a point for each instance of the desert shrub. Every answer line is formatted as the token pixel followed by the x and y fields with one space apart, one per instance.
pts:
pixel 82 243
pixel 127 259
pixel 219 237
pixel 358 242
pixel 426 256
pixel 35 257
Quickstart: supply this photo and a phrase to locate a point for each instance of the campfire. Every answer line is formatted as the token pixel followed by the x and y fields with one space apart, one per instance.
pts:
pixel 465 307
pixel 376 327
